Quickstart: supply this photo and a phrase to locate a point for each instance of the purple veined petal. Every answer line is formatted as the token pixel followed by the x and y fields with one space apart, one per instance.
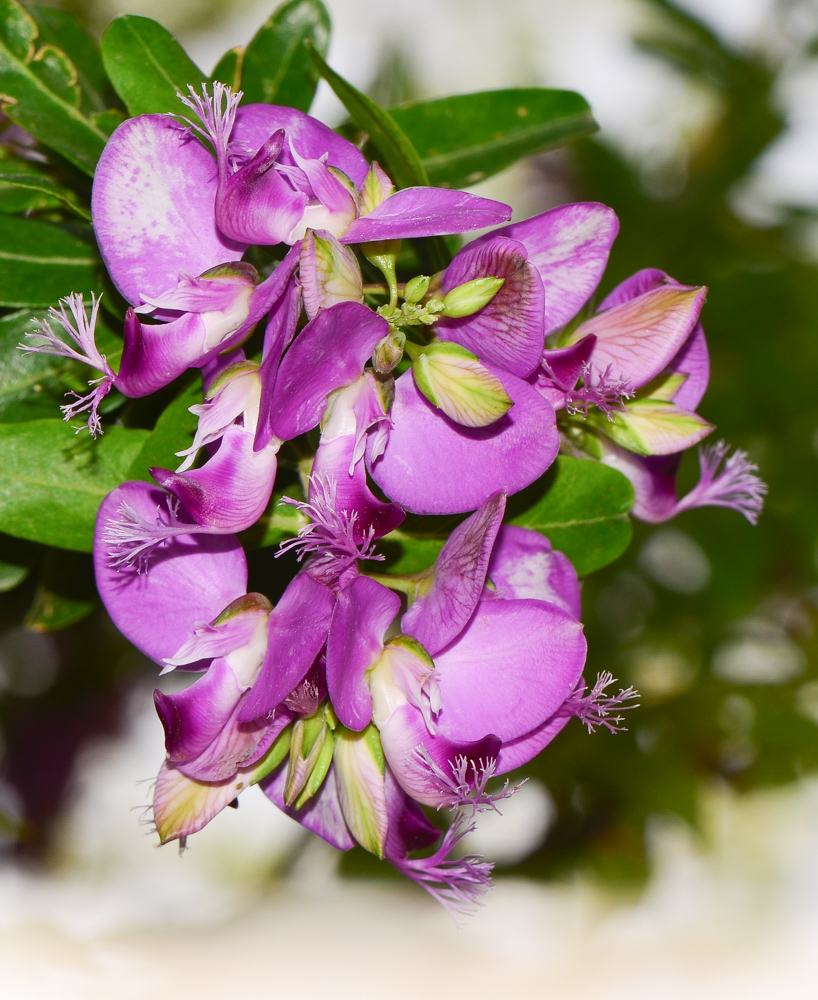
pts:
pixel 321 814
pixel 364 610
pixel 194 717
pixel 232 489
pixel 281 327
pixel 431 465
pixel 638 338
pixel 257 204
pixel 182 806
pixel 373 517
pixel 524 566
pixel 329 353
pixel 646 280
pixel 241 624
pixel 653 479
pixel 192 578
pixel 154 354
pixel 508 332
pixel 693 360
pixel 255 123
pixel 569 246
pixel 517 752
pixel 409 827
pixel 426 211
pixel 296 632
pixel 561 369
pixel 509 670
pixel 439 615
pixel 404 734
pixel 153 205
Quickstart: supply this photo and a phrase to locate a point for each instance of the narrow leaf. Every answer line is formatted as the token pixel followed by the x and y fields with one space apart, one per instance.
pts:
pixel 42 262
pixel 582 507
pixel 33 192
pixel 464 139
pixel 147 66
pixel 277 68
pixel 58 28
pixel 53 481
pixel 174 431
pixel 228 68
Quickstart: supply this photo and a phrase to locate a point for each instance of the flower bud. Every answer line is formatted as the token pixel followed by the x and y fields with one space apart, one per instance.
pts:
pixel 329 273
pixel 360 767
pixel 454 380
pixel 388 352
pixel 376 188
pixel 416 288
pixel 311 747
pixel 471 297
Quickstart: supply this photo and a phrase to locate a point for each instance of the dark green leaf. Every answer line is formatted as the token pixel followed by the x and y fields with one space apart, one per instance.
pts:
pixel 228 68
pixel 279 522
pixel 277 67
pixel 147 66
pixel 399 156
pixel 33 192
pixel 65 594
pixel 582 507
pixel 52 481
pixel 41 263
pixel 16 561
pixel 408 553
pixel 40 90
pixel 173 432
pixel 464 139
pixel 58 28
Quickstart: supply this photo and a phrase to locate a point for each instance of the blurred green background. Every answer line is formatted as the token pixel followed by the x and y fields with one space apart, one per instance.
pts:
pixel 711 619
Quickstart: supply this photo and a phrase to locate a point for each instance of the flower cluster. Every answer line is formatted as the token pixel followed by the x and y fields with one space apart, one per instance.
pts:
pixel 362 697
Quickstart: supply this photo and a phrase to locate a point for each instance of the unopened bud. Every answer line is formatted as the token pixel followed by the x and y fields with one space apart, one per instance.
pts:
pixel 416 288
pixel 471 297
pixel 311 747
pixel 388 352
pixel 454 380
pixel 376 188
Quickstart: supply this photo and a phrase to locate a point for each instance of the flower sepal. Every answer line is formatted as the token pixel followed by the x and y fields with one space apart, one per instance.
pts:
pixel 651 427
pixel 360 767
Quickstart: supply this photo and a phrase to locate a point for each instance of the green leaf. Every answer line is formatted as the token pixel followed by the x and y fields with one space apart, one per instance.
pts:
pixel 16 561
pixel 464 139
pixel 147 66
pixel 58 28
pixel 53 481
pixel 277 67
pixel 31 385
pixel 40 90
pixel 65 593
pixel 32 192
pixel 228 68
pixel 400 158
pixel 582 507
pixel 40 263
pixel 173 432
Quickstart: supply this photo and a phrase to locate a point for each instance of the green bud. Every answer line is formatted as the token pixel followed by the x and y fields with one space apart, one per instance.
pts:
pixel 388 352
pixel 454 380
pixel 274 756
pixel 309 761
pixel 465 300
pixel 416 288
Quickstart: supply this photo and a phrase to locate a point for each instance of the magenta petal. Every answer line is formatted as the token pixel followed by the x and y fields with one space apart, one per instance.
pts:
pixel 364 610
pixel 653 479
pixel 693 360
pixel 439 615
pixel 321 814
pixel 192 578
pixel 352 494
pixel 296 631
pixel 569 246
pixel 193 718
pixel 409 827
pixel 425 211
pixel 231 490
pixel 646 280
pixel 281 327
pixel 153 205
pixel 311 139
pixel 432 465
pixel 517 752
pixel 508 332
pixel 510 670
pixel 525 567
pixel 640 337
pixel 257 204
pixel 565 364
pixel 405 733
pixel 154 354
pixel 330 352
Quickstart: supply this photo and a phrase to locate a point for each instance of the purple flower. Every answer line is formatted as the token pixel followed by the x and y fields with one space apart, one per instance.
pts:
pixel 281 173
